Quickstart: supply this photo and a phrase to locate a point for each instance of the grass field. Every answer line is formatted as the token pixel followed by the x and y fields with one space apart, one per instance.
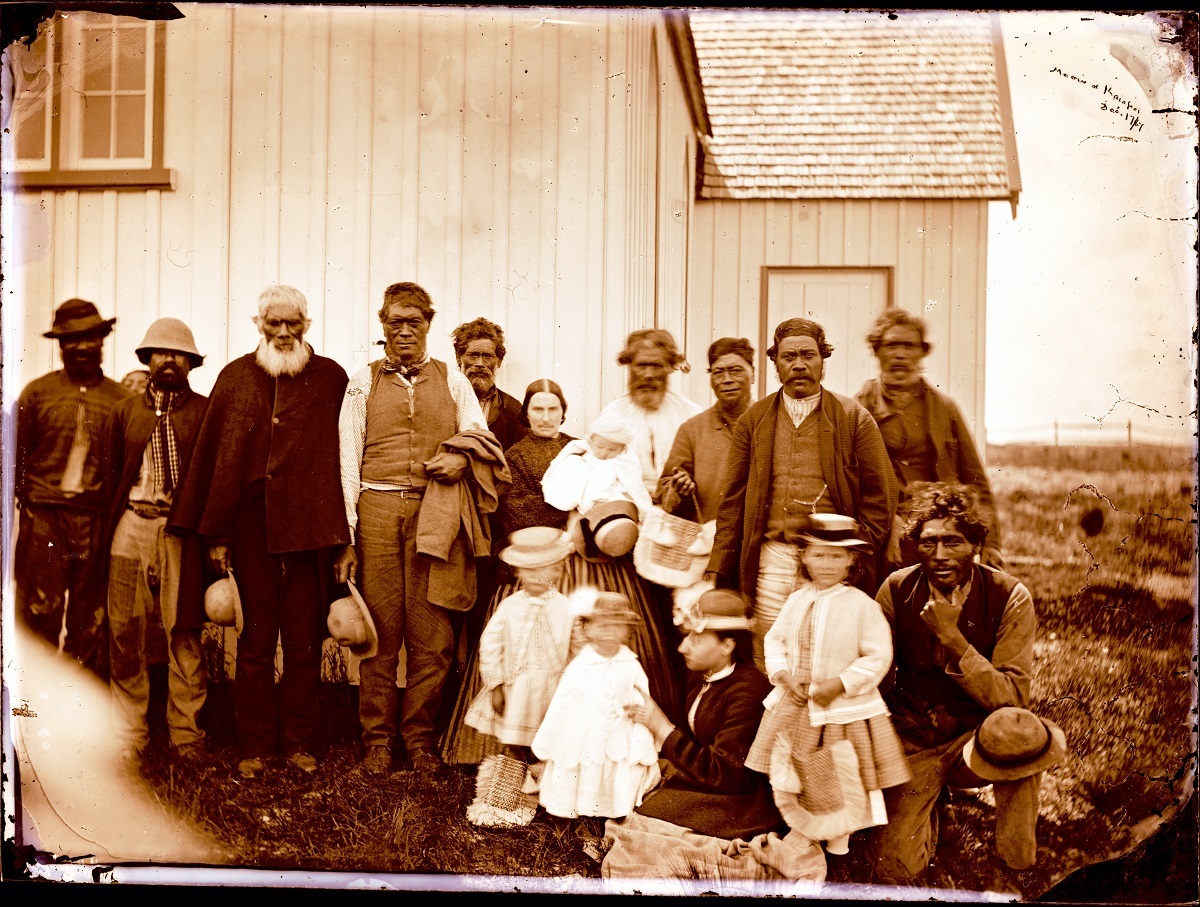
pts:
pixel 1114 667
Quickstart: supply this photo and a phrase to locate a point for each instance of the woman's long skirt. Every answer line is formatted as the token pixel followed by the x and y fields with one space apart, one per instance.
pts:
pixel 654 640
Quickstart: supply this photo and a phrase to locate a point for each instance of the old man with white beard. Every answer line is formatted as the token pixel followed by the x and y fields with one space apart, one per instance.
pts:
pixel 264 492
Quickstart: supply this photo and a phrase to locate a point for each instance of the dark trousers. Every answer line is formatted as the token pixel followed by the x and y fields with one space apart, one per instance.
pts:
pixel 59 572
pixel 283 602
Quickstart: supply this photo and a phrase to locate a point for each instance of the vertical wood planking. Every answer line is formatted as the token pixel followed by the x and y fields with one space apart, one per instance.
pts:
pixel 616 241
pixel 458 308
pixel 296 165
pixel 393 171
pixel 494 221
pixel 550 316
pixel 361 306
pixel 596 344
pixel 348 134
pixel 478 276
pixel 127 269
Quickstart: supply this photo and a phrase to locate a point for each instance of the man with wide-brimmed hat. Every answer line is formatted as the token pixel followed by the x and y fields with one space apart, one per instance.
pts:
pixel 963 637
pixel 60 470
pixel 155 579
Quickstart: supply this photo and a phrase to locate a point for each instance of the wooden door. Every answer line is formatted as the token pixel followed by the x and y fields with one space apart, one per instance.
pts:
pixel 844 301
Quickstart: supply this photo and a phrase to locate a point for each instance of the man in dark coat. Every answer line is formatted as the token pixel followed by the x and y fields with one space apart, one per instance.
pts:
pixel 924 431
pixel 59 560
pixel 799 451
pixel 479 349
pixel 155 580
pixel 264 491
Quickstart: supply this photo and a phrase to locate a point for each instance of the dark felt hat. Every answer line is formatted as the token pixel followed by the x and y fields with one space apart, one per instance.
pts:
pixel 78 317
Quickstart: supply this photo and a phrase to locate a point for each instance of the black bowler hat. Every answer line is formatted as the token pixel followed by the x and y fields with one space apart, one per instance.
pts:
pixel 77 317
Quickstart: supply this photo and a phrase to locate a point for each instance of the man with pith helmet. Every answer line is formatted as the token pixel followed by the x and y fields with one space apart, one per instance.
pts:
pixel 59 559
pixel 155 579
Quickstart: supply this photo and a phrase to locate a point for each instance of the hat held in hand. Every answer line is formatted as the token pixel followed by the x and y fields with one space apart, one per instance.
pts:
pixel 223 604
pixel 350 625
pixel 1013 743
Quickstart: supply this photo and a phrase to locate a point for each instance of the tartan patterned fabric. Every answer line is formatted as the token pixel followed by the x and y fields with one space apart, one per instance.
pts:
pixel 164 449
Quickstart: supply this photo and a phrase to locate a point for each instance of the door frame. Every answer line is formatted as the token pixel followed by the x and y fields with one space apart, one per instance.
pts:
pixel 765 332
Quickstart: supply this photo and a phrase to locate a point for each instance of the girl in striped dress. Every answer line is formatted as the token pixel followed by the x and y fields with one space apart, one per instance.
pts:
pixel 826 654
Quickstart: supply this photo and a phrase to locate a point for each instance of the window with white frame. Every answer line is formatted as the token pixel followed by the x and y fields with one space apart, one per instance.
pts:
pixel 86 104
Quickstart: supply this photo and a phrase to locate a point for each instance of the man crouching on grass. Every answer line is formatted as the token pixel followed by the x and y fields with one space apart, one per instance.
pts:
pixel 963 641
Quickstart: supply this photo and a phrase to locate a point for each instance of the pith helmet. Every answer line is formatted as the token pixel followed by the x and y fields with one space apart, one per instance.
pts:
pixel 169 334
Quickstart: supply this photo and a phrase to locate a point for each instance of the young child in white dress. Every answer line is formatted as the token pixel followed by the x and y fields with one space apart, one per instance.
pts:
pixel 826 654
pixel 600 478
pixel 598 762
pixel 526 644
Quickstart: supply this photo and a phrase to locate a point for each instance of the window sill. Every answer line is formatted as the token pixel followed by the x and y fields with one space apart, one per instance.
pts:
pixel 159 178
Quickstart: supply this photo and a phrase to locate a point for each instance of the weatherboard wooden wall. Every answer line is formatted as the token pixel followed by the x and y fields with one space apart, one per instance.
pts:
pixel 529 166
pixel 935 253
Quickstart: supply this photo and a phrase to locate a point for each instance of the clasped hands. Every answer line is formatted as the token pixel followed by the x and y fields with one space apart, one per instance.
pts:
pixel 822 692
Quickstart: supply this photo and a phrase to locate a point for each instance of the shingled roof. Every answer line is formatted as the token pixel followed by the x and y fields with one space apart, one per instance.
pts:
pixel 830 104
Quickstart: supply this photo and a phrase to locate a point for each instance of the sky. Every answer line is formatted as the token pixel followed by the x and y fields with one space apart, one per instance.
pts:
pixel 1092 287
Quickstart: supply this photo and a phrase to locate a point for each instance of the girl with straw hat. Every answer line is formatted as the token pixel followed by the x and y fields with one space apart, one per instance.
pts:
pixel 826 741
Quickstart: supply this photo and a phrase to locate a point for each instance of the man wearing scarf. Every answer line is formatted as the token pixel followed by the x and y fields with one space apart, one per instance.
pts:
pixel 155 580
pixel 264 492
pixel 58 564
pixel 397 415
pixel 799 451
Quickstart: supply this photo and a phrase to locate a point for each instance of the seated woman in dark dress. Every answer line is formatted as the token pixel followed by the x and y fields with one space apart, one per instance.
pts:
pixel 523 505
pixel 712 818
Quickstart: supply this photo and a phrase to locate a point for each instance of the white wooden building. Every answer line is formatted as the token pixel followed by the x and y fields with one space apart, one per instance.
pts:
pixel 572 174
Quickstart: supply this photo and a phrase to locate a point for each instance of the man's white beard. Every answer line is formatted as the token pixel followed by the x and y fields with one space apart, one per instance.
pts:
pixel 276 362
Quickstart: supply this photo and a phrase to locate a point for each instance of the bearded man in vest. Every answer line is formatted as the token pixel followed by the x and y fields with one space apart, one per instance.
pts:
pixel 963 637
pixel 264 493
pixel 799 451
pixel 396 417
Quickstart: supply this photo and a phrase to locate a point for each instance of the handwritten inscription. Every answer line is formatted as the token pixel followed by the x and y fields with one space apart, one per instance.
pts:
pixel 23 710
pixel 1110 101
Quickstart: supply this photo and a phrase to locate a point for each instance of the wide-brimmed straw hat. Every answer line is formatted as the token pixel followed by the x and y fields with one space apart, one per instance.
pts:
pixel 832 529
pixel 718 609
pixel 350 624
pixel 172 335
pixel 223 604
pixel 537 546
pixel 77 317
pixel 1013 743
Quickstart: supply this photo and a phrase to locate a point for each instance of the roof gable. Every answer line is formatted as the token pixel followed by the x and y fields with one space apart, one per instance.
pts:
pixel 830 104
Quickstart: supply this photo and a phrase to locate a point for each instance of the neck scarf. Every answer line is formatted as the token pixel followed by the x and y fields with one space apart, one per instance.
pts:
pixel 164 450
pixel 408 371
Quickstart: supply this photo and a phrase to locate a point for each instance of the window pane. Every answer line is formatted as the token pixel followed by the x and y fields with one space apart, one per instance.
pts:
pixel 95 57
pixel 97 127
pixel 31 97
pixel 131 58
pixel 31 136
pixel 131 125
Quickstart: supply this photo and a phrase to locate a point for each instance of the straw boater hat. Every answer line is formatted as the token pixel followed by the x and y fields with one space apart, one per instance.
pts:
pixel 832 529
pixel 169 334
pixel 223 604
pixel 537 546
pixel 1014 743
pixel 77 317
pixel 350 625
pixel 718 609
